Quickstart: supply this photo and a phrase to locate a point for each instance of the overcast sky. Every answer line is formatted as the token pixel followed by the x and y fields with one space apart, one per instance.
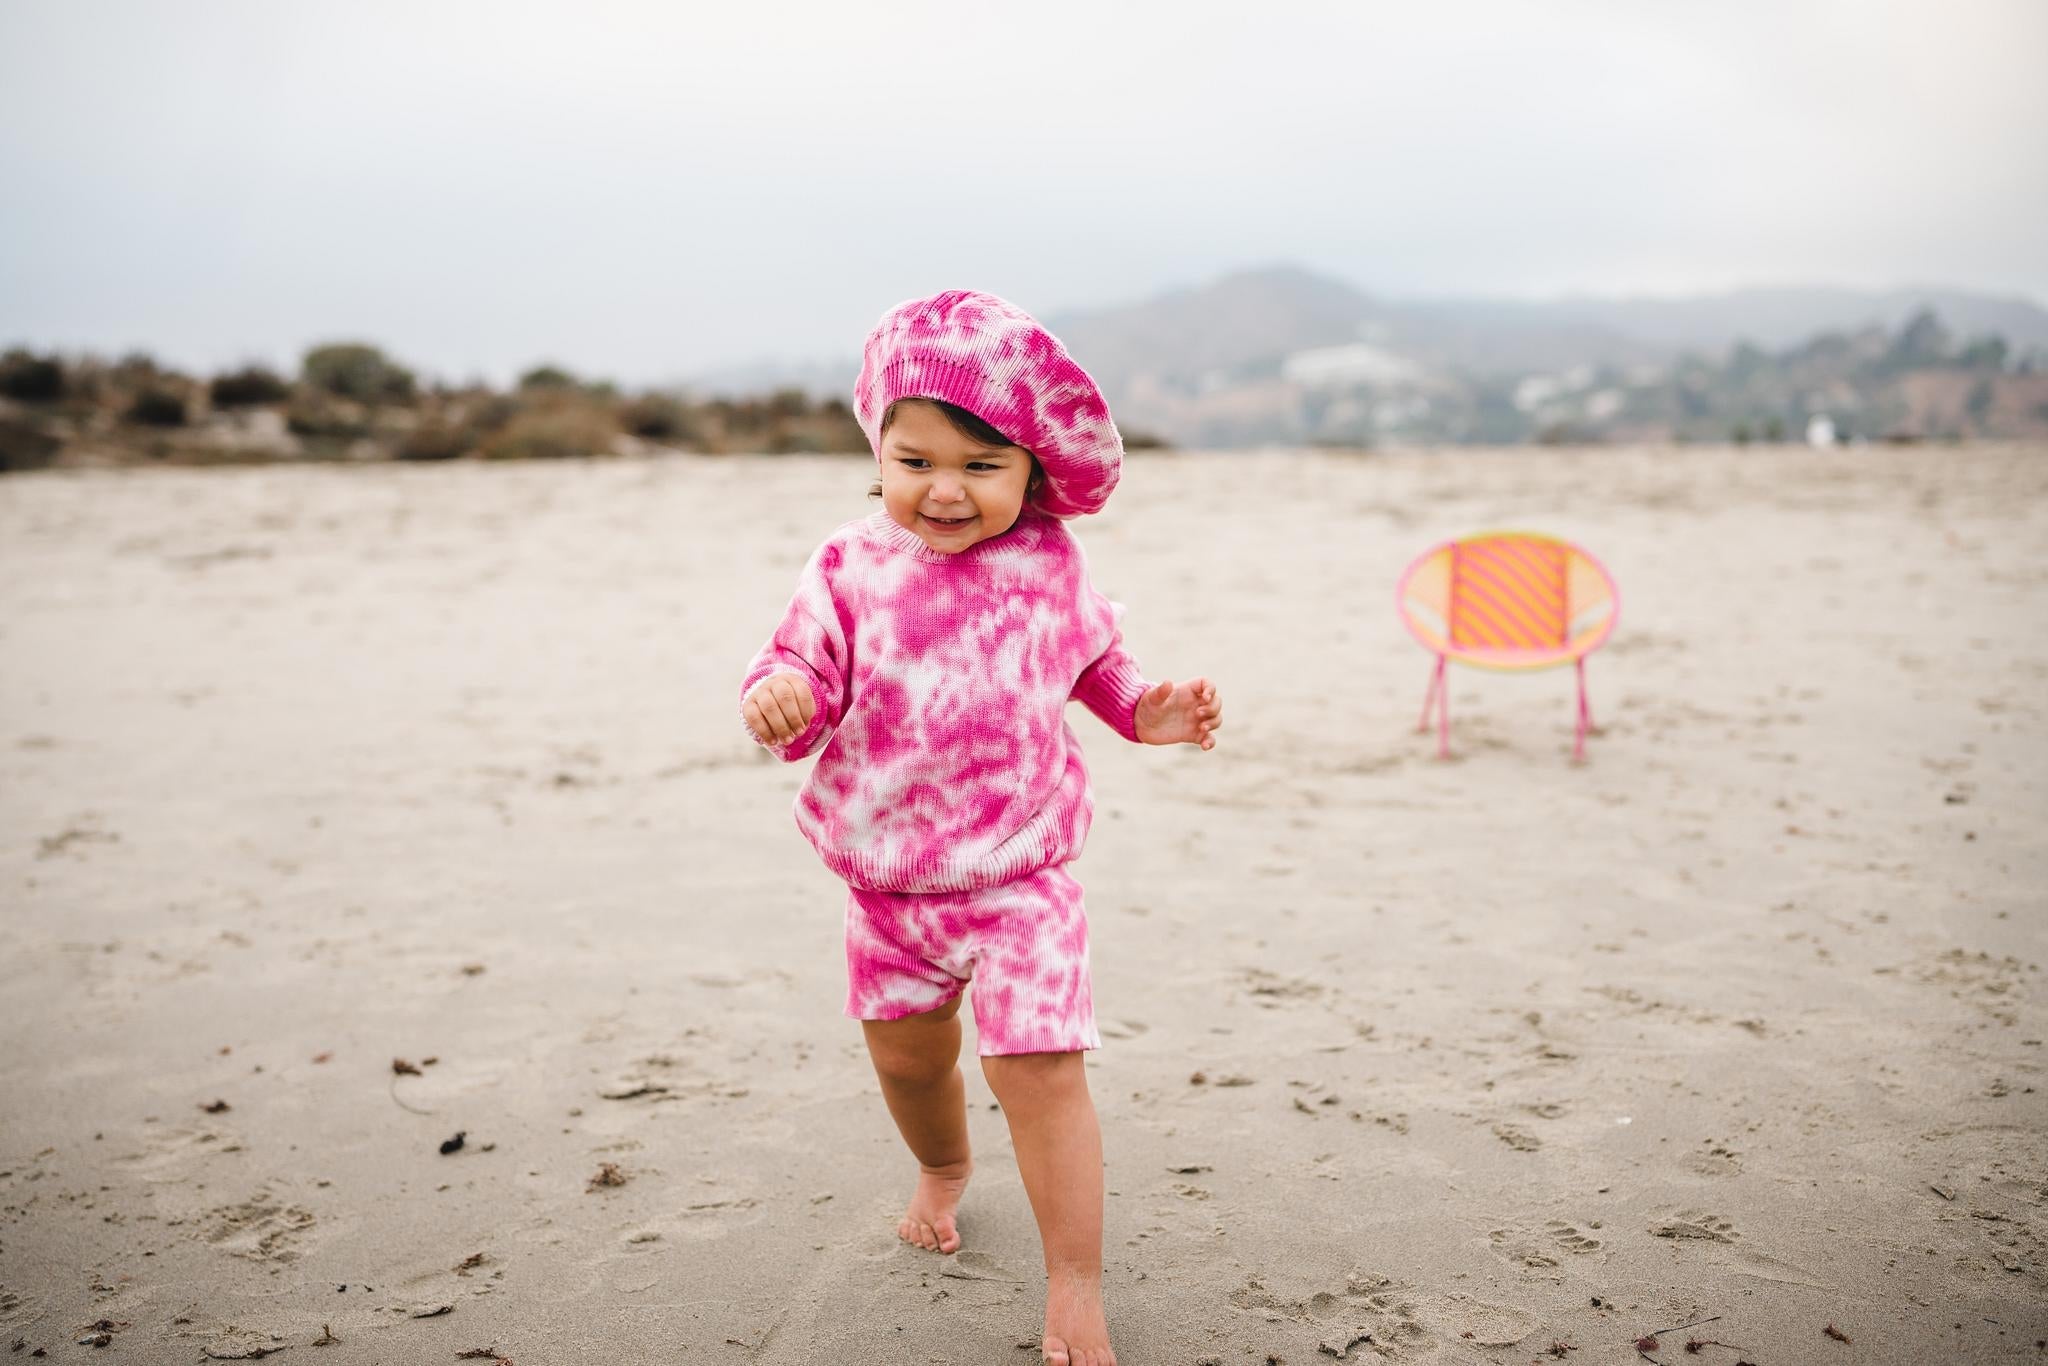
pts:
pixel 648 190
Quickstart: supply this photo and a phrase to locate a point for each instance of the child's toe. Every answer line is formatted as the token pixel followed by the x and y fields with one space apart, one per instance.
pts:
pixel 1053 1352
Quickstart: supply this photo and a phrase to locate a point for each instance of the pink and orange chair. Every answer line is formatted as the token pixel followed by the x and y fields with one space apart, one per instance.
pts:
pixel 1513 601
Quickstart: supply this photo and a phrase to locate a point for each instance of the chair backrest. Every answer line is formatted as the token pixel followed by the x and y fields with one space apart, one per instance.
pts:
pixel 1508 595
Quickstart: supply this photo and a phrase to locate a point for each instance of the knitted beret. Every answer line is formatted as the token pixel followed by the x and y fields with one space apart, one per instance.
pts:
pixel 992 358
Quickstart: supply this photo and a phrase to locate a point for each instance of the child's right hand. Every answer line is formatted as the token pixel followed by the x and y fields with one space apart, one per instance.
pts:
pixel 779 708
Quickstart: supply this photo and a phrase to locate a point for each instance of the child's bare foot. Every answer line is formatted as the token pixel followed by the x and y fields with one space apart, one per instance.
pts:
pixel 929 1222
pixel 1075 1334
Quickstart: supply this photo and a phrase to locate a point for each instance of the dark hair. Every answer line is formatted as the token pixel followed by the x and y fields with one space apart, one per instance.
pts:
pixel 970 425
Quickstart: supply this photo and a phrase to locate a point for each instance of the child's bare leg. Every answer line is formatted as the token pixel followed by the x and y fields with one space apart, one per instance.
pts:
pixel 1059 1154
pixel 917 1059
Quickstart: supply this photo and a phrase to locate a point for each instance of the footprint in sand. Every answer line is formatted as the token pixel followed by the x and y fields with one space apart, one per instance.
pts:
pixel 1514 1245
pixel 262 1228
pixel 1521 1140
pixel 168 1152
pixel 1571 1240
pixel 1693 1226
pixel 1718 1160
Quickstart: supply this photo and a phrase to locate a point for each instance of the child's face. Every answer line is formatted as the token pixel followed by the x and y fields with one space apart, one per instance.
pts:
pixel 948 488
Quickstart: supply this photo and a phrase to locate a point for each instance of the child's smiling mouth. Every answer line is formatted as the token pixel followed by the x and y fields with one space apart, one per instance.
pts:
pixel 947 523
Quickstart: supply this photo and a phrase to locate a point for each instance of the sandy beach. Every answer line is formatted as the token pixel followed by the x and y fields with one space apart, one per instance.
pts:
pixel 307 770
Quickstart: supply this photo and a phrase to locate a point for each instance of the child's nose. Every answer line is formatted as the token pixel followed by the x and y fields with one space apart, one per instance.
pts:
pixel 947 488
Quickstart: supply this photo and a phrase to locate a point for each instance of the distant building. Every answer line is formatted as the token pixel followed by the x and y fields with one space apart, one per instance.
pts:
pixel 1358 364
pixel 1820 431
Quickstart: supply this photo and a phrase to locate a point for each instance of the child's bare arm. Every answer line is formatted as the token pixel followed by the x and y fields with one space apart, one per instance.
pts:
pixel 1180 714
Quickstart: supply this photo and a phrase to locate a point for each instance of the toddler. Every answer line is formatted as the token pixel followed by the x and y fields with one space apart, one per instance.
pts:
pixel 927 659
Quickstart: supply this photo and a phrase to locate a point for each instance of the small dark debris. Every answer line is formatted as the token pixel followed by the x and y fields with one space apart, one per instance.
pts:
pixel 404 1068
pixel 216 1107
pixel 1559 1348
pixel 1198 1078
pixel 469 1263
pixel 326 1338
pixel 1837 1334
pixel 608 1174
pixel 429 1062
pixel 323 1057
pixel 453 1144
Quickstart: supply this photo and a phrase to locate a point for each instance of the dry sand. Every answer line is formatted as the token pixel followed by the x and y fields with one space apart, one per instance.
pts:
pixel 308 769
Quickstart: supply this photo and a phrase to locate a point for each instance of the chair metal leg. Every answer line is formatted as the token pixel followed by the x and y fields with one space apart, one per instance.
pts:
pixel 1443 710
pixel 1436 677
pixel 1585 715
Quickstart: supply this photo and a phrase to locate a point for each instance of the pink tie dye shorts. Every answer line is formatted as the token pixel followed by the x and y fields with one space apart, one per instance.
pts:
pixel 1024 944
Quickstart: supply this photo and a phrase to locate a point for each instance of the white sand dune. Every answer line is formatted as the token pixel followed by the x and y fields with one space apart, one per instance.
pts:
pixel 306 769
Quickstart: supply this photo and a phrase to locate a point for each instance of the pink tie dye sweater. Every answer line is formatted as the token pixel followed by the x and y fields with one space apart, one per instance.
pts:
pixel 945 759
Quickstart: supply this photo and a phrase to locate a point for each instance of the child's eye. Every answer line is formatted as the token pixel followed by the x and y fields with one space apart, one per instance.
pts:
pixel 910 462
pixel 982 465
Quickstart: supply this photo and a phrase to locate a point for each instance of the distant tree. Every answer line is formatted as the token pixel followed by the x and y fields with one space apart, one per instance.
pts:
pixel 358 371
pixel 547 377
pixel 1747 360
pixel 1774 428
pixel 1987 352
pixel 247 387
pixel 1978 404
pixel 31 379
pixel 1922 342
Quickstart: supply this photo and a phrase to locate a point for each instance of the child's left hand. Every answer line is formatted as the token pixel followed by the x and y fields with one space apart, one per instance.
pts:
pixel 1180 714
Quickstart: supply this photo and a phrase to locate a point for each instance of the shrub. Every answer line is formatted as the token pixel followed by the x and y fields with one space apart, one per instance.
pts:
pixel 357 371
pixel 436 440
pixel 657 418
pixel 315 415
pixel 25 447
pixel 157 406
pixel 32 379
pixel 547 377
pixel 553 434
pixel 247 387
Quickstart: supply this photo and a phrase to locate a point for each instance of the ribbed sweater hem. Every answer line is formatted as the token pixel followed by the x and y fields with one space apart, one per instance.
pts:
pixel 1037 845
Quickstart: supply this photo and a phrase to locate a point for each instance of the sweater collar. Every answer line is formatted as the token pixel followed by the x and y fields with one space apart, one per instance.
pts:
pixel 1021 539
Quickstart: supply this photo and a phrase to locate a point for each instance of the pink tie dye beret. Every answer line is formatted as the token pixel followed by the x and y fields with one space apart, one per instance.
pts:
pixel 992 358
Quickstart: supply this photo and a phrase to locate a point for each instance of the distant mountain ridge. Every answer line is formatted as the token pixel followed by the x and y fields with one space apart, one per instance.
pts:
pixel 1285 354
pixel 1252 315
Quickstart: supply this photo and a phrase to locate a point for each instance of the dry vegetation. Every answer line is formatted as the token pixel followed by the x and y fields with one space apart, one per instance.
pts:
pixel 351 402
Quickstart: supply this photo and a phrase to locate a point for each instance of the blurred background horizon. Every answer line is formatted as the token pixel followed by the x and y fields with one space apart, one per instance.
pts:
pixel 1238 223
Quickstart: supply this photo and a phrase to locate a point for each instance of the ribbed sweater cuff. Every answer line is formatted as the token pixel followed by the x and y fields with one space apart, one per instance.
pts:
pixel 1111 690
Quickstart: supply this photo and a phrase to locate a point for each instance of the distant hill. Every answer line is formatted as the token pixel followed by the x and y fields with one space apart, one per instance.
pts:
pixel 1283 355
